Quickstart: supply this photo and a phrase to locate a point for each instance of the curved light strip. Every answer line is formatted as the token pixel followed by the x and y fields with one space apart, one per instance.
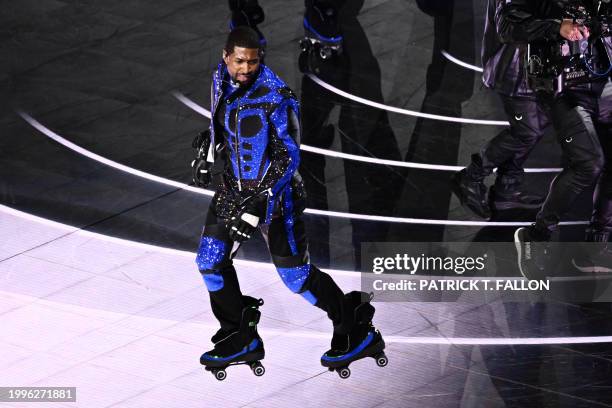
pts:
pixel 52 135
pixel 265 265
pixel 457 341
pixel 405 111
pixel 461 63
pixel 325 152
pixel 374 160
pixel 488 341
pixel 147 247
pixel 191 104
pixel 499 341
pixel 366 217
pixel 398 220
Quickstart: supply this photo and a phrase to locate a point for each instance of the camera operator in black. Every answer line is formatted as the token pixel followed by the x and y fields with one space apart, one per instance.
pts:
pixel 503 72
pixel 581 118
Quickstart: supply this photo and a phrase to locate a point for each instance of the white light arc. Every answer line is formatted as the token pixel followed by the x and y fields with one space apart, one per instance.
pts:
pixel 461 63
pixel 325 152
pixel 365 217
pixel 474 341
pixel 402 111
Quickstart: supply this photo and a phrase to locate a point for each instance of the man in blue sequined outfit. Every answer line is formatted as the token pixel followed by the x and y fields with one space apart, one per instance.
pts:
pixel 255 125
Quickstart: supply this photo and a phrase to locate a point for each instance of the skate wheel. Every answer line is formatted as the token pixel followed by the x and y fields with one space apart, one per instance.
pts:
pixel 258 369
pixel 381 360
pixel 305 45
pixel 220 374
pixel 344 373
pixel 325 53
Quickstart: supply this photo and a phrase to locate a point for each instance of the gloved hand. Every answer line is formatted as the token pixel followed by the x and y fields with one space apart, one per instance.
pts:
pixel 241 229
pixel 202 172
pixel 201 169
pixel 201 141
pixel 242 226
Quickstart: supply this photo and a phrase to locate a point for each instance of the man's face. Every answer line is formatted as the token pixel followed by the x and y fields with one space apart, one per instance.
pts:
pixel 242 64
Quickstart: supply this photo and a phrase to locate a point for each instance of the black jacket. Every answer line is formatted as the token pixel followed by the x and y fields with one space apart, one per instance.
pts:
pixel 509 26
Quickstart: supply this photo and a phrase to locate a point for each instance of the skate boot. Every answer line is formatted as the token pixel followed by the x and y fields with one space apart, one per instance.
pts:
pixel 471 193
pixel 355 337
pixel 513 200
pixel 321 29
pixel 241 346
pixel 507 195
pixel 247 13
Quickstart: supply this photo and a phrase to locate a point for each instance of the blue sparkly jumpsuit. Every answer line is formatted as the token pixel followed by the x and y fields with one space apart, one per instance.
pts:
pixel 257 129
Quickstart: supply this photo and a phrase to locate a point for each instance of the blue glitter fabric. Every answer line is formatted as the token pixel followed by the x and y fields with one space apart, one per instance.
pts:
pixel 213 281
pixel 210 253
pixel 309 297
pixel 288 219
pixel 294 277
pixel 261 136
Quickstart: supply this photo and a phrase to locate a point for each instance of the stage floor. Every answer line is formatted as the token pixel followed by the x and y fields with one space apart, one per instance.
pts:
pixel 98 225
pixel 126 322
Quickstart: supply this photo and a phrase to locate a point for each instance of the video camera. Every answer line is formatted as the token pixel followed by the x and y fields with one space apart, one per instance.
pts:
pixel 554 65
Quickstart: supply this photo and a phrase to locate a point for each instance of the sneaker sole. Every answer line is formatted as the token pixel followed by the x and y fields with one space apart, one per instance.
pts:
pixel 592 269
pixel 518 245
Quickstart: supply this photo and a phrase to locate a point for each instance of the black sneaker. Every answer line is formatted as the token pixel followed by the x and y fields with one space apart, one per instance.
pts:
pixel 532 254
pixel 471 193
pixel 595 257
pixel 516 199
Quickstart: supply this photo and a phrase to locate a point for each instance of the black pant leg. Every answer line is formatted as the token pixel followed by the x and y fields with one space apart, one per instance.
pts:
pixel 602 199
pixel 288 245
pixel 214 262
pixel 572 116
pixel 510 148
pixel 533 120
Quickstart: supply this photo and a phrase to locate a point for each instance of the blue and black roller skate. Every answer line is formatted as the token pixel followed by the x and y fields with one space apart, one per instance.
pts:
pixel 355 338
pixel 321 29
pixel 242 346
pixel 247 13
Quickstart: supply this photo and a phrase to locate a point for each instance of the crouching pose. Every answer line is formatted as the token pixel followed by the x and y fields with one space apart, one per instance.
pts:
pixel 255 124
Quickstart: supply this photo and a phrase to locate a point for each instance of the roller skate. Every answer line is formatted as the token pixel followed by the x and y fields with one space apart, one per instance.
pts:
pixel 355 338
pixel 472 193
pixel 242 346
pixel 321 29
pixel 247 13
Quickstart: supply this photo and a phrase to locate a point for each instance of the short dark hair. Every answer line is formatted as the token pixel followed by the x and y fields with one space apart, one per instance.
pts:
pixel 242 36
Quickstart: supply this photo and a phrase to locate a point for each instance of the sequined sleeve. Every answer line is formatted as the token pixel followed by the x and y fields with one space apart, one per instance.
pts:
pixel 283 146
